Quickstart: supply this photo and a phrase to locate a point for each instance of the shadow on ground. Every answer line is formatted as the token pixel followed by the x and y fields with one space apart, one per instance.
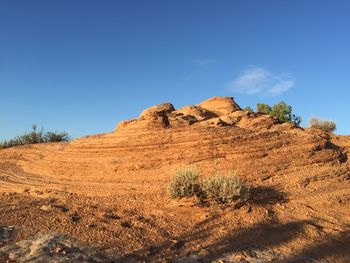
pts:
pixel 263 195
pixel 261 237
pixel 264 236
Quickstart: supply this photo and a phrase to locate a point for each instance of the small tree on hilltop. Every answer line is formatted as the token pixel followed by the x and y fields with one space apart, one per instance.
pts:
pixel 281 111
pixel 263 108
pixel 35 136
pixel 56 137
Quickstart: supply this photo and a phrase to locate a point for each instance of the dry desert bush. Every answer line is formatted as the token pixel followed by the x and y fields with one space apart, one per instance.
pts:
pixel 225 189
pixel 324 125
pixel 184 182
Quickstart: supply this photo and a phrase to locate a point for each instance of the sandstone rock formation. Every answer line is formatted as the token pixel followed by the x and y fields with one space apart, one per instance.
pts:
pixel 220 105
pixel 217 111
pixel 116 183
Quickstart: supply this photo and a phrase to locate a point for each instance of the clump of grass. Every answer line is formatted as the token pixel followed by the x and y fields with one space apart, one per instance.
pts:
pixel 225 189
pixel 324 125
pixel 184 182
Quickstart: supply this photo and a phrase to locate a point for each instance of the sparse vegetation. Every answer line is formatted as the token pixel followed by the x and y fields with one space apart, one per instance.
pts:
pixel 324 125
pixel 263 108
pixel 36 136
pixel 281 111
pixel 56 137
pixel 184 182
pixel 248 109
pixel 225 189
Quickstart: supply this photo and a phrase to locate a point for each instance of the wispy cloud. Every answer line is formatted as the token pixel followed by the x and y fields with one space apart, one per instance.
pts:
pixel 257 80
pixel 204 63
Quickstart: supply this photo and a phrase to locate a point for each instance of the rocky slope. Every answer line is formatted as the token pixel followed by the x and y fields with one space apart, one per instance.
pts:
pixel 114 185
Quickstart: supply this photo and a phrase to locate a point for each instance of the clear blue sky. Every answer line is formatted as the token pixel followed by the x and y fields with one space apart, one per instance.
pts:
pixel 82 66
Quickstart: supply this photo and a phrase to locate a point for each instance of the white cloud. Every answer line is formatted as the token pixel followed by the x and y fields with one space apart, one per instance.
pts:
pixel 257 80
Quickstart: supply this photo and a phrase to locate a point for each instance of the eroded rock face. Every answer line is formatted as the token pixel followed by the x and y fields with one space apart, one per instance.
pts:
pixel 157 110
pixel 212 112
pixel 220 105
pixel 114 186
pixel 197 112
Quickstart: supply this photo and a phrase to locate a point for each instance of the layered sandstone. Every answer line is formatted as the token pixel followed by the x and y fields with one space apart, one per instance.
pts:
pixel 300 180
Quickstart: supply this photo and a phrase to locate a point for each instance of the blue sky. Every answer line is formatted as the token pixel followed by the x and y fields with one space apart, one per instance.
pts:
pixel 82 66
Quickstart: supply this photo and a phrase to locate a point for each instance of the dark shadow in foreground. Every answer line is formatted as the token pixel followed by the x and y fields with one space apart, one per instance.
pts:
pixel 264 236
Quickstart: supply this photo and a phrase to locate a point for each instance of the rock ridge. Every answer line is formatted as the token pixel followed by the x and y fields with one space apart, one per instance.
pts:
pixel 216 111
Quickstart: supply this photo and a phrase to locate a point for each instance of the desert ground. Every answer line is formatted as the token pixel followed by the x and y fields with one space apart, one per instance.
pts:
pixel 104 198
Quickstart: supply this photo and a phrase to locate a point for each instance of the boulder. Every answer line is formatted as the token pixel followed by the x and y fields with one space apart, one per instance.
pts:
pixel 159 109
pixel 220 105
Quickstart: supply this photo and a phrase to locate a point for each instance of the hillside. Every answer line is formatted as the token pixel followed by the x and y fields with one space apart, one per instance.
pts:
pixel 109 191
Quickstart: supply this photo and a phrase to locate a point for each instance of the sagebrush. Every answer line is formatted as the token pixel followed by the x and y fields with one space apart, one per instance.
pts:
pixel 324 125
pixel 225 189
pixel 184 182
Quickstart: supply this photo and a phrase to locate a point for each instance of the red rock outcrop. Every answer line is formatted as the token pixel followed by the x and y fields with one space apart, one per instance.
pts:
pixel 299 179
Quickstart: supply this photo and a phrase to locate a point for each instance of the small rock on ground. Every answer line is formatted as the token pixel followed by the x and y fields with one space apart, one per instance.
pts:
pixel 51 247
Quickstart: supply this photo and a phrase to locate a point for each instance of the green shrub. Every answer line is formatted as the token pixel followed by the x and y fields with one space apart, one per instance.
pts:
pixel 225 189
pixel 263 108
pixel 281 111
pixel 324 125
pixel 184 182
pixel 56 137
pixel 35 136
